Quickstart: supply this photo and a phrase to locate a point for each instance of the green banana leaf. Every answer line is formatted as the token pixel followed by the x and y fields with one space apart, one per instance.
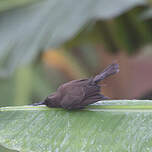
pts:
pixel 3 149
pixel 108 126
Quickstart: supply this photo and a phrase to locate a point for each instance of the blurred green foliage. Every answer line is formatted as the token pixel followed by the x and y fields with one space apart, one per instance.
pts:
pixel 28 30
pixel 26 84
pixel 9 4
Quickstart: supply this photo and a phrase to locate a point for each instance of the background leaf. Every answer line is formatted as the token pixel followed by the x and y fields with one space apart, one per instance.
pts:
pixel 106 126
pixel 26 31
pixel 9 4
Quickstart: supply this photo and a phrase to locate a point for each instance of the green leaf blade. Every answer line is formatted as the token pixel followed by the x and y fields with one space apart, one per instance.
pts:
pixel 96 128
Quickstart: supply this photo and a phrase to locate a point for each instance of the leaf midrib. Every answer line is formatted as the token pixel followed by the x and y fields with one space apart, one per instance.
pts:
pixel 111 105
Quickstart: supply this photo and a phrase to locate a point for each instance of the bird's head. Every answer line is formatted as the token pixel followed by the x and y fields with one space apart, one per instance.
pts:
pixel 52 100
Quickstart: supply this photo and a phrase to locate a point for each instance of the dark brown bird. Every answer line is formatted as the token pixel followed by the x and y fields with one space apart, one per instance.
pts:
pixel 77 94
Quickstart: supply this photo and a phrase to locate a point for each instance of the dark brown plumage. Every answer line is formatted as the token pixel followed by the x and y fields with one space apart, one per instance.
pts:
pixel 77 94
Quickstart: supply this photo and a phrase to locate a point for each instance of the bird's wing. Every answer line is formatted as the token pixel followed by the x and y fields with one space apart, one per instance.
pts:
pixel 92 90
pixel 73 97
pixel 92 95
pixel 80 94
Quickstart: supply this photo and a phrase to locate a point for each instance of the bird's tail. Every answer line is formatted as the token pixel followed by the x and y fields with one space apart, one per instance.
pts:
pixel 110 70
pixel 38 103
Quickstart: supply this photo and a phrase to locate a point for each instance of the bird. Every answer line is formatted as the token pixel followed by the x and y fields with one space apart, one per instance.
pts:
pixel 77 94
